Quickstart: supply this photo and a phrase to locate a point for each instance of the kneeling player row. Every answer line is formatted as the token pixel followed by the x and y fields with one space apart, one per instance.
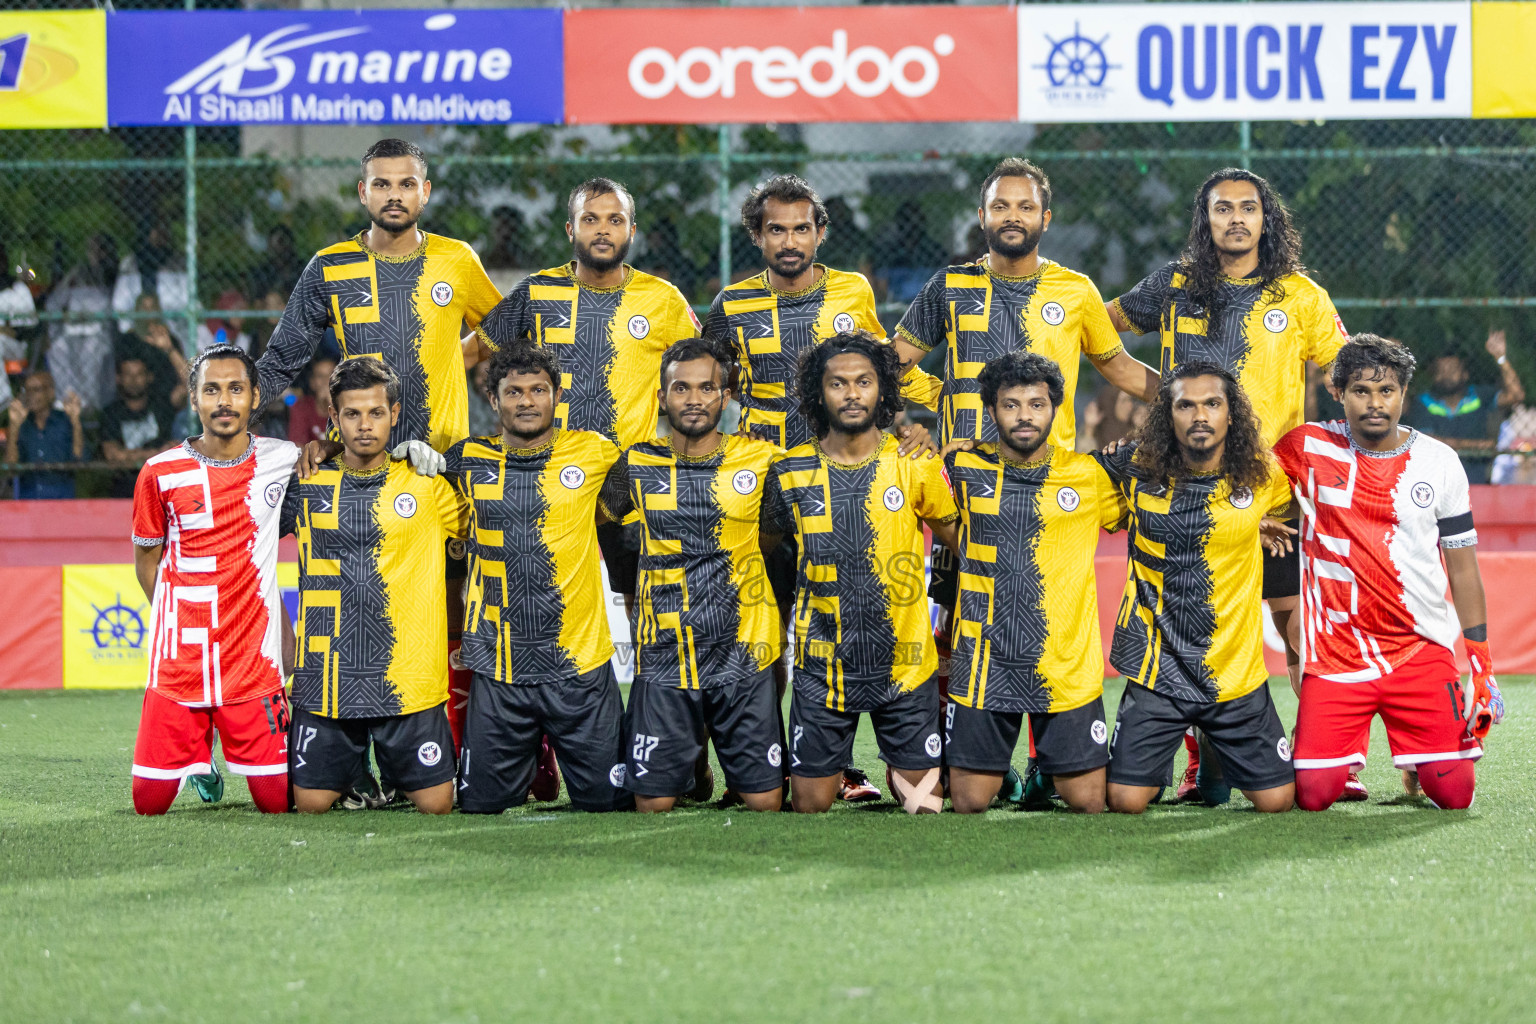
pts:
pixel 716 515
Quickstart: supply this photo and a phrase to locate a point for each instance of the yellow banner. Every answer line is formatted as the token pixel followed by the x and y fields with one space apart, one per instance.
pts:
pixel 53 69
pixel 1503 42
pixel 107 625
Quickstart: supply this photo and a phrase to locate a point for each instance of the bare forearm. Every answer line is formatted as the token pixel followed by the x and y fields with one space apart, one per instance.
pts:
pixel 1130 375
pixel 76 439
pixel 1512 392
pixel 1466 587
pixel 146 563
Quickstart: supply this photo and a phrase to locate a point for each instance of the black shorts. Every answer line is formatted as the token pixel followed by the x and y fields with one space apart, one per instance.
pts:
pixel 1066 742
pixel 669 728
pixel 583 717
pixel 906 729
pixel 621 554
pixel 1282 573
pixel 1245 732
pixel 414 751
pixel 943 576
pixel 783 568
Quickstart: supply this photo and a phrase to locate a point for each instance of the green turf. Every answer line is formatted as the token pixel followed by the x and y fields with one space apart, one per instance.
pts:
pixel 1389 911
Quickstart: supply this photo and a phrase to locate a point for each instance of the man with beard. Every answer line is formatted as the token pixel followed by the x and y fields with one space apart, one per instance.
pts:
pixel 863 642
pixel 1010 299
pixel 1383 504
pixel 1187 637
pixel 403 295
pixel 708 630
pixel 607 324
pixel 1027 639
pixel 536 635
pixel 1238 297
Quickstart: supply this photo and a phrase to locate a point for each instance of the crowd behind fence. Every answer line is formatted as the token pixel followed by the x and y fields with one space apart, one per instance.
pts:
pixel 148 243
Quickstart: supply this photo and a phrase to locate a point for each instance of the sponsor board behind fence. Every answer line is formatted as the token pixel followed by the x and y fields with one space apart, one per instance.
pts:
pixel 53 69
pixel 335 67
pixel 1503 42
pixel 1259 61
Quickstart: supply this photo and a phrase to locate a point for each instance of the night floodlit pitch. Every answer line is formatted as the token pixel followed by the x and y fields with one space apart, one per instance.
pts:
pixel 1383 911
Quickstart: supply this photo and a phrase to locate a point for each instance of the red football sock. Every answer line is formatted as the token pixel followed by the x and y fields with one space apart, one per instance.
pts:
pixel 1450 785
pixel 1318 788
pixel 1191 746
pixel 458 698
pixel 1030 732
pixel 154 796
pixel 269 792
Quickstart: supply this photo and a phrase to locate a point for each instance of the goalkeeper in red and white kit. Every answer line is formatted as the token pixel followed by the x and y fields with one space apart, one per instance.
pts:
pixel 1381 505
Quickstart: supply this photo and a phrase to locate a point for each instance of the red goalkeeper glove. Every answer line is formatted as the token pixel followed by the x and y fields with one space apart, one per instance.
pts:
pixel 1485 704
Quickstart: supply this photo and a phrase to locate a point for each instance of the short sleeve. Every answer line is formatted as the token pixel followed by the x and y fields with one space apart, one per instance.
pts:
pixel 1113 508
pixel 149 525
pixel 1453 505
pixel 865 317
pixel 1118 466
pixel 922 387
pixel 293 505
pixel 717 326
pixel 1142 306
pixel 1289 452
pixel 776 517
pixel 452 510
pixel 615 498
pixel 1277 491
pixel 1325 333
pixel 481 294
pixel 509 320
pixel 935 499
pixel 923 324
pixel 1100 340
pixel 608 453
pixel 681 322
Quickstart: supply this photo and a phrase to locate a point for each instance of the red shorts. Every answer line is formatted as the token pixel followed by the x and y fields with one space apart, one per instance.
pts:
pixel 1420 704
pixel 176 740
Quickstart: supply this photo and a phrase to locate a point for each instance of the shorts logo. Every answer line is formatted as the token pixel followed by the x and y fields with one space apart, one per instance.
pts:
pixel 442 293
pixel 274 494
pixel 775 755
pixel 429 753
pixel 616 776
pixel 457 549
pixel 1099 732
pixel 932 746
pixel 572 477
pixel 1068 499
pixel 405 505
pixel 842 322
pixel 1276 321
pixel 744 482
pixel 1283 748
pixel 1422 494
pixel 1052 313
pixel 1241 498
pixel 639 327
pixel 894 499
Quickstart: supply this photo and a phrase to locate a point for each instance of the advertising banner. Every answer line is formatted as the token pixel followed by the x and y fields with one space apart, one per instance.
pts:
pixel 1503 42
pixel 106 628
pixel 790 64
pixel 1257 61
pixel 335 67
pixel 53 69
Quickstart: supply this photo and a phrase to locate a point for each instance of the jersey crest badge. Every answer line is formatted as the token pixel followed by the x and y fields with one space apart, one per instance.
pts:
pixel 893 498
pixel 442 293
pixel 1276 321
pixel 573 477
pixel 639 327
pixel 1068 499
pixel 842 322
pixel 745 482
pixel 405 505
pixel 1423 494
pixel 1052 313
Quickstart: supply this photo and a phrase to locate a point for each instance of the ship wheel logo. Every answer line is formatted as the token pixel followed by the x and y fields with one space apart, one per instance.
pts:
pixel 117 627
pixel 1077 61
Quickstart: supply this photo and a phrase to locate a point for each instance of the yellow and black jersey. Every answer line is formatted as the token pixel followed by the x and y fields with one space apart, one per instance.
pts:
pixel 1055 312
pixel 609 342
pixel 769 329
pixel 706 612
pixel 372 629
pixel 406 310
pixel 862 632
pixel 1026 634
pixel 534 610
pixel 1263 339
pixel 1189 621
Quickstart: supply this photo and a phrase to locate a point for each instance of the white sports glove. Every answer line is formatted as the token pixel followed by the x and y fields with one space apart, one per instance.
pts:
pixel 425 460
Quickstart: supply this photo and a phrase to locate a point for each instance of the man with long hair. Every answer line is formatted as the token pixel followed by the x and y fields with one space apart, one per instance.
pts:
pixel 1238 296
pixel 1382 505
pixel 862 637
pixel 1187 638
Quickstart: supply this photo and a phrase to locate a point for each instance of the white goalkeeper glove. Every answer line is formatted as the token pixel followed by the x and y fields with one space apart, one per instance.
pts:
pixel 424 459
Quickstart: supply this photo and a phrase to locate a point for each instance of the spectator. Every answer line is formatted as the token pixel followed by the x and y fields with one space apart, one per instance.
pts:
pixel 846 246
pixel 482 418
pixel 1109 416
pixel 224 330
pixel 80 352
pixel 158 269
pixel 1454 411
pixel 152 342
pixel 16 312
pixel 309 416
pixel 135 425
pixel 41 433
pixel 508 248
pixel 280 268
pixel 1517 435
pixel 261 331
pixel 907 252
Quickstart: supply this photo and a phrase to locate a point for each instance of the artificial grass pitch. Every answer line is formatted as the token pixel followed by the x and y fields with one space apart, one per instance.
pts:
pixel 1383 911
